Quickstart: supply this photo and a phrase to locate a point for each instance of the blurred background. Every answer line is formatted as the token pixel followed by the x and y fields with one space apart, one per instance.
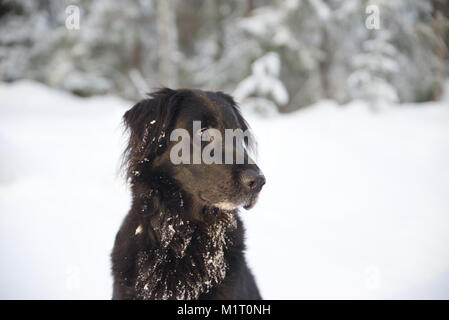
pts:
pixel 349 101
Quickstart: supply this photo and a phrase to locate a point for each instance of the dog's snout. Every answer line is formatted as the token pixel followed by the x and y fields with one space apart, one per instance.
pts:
pixel 253 180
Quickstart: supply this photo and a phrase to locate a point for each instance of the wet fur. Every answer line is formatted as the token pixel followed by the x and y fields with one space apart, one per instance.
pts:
pixel 171 245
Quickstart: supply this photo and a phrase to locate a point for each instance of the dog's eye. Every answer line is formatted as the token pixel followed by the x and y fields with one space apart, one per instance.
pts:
pixel 204 134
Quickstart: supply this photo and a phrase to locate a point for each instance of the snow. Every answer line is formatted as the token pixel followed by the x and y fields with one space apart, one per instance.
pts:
pixel 60 195
pixel 355 204
pixel 156 282
pixel 138 230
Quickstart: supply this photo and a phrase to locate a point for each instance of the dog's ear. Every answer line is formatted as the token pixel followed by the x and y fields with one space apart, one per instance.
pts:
pixel 147 123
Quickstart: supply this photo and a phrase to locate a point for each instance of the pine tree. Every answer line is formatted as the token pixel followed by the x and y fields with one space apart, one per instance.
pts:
pixel 262 91
pixel 374 68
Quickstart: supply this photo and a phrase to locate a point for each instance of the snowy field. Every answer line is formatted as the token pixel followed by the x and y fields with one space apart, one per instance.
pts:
pixel 356 203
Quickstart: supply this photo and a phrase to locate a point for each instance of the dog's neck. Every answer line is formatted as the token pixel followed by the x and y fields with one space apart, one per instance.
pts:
pixel 188 258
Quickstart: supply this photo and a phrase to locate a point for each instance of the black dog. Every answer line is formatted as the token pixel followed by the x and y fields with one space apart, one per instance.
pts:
pixel 182 238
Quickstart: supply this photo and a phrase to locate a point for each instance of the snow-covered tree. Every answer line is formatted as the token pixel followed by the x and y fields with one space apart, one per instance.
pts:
pixel 262 91
pixel 26 34
pixel 217 55
pixel 374 68
pixel 167 43
pixel 308 37
pixel 324 49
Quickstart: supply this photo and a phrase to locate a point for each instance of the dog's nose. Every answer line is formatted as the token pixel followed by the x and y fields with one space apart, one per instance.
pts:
pixel 253 179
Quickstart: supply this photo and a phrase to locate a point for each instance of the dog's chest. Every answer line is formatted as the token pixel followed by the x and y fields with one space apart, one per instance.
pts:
pixel 184 267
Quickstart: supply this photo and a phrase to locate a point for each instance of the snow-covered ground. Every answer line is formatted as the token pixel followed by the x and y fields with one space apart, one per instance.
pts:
pixel 356 203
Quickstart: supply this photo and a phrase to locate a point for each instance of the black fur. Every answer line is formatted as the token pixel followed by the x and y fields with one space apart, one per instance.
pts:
pixel 182 238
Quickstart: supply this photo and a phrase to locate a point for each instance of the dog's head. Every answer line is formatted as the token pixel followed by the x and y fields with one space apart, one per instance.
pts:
pixel 151 157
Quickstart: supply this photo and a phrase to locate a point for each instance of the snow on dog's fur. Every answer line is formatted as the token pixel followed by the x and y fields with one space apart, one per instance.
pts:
pixel 182 238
